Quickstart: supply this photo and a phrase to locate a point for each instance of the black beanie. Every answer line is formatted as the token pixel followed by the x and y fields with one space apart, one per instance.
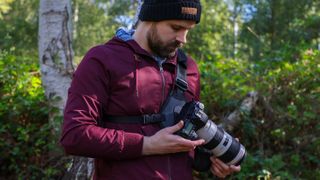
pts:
pixel 158 10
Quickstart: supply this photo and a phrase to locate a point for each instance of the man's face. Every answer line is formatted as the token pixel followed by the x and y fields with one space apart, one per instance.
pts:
pixel 165 37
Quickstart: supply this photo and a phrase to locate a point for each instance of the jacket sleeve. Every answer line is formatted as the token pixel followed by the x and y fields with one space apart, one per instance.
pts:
pixel 81 134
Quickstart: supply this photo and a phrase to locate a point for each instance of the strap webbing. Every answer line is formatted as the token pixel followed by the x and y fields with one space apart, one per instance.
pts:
pixel 143 119
pixel 181 79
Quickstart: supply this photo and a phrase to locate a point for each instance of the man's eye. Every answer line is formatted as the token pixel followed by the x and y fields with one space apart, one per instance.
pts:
pixel 175 28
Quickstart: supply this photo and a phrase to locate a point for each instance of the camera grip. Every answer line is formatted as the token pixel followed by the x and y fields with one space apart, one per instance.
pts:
pixel 201 160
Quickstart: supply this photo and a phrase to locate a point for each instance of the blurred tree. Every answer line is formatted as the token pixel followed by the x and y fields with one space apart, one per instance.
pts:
pixel 95 22
pixel 276 28
pixel 4 7
pixel 18 22
pixel 55 54
pixel 213 36
pixel 56 64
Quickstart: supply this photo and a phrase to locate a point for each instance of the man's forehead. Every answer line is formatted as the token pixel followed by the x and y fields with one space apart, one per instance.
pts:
pixel 183 23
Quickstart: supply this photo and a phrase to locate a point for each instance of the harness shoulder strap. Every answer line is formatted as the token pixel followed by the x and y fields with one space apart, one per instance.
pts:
pixel 181 79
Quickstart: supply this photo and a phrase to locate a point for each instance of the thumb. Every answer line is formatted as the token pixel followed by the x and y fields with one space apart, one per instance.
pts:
pixel 175 127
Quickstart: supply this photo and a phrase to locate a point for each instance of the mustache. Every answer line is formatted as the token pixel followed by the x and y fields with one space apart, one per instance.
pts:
pixel 176 44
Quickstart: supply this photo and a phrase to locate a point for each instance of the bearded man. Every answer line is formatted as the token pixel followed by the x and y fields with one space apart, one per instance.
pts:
pixel 130 78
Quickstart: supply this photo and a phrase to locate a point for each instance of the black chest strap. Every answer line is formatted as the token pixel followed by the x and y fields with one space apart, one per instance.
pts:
pixel 143 119
pixel 181 85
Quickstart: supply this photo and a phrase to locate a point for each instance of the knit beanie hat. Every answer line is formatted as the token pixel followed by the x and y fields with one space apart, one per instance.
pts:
pixel 158 10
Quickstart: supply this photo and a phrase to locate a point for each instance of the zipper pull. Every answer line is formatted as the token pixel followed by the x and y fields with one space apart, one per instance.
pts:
pixel 161 68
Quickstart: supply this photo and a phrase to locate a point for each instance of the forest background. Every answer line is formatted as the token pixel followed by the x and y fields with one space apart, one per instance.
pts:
pixel 271 47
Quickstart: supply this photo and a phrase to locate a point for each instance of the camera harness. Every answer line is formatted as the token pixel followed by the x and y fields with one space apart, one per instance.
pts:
pixel 169 110
pixel 173 103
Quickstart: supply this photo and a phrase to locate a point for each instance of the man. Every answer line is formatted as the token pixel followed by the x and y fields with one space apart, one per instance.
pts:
pixel 130 76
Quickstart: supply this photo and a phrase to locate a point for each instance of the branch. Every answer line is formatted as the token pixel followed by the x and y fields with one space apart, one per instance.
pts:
pixel 233 120
pixel 80 168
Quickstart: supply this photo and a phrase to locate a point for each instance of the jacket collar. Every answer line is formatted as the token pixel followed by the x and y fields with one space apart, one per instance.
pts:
pixel 136 48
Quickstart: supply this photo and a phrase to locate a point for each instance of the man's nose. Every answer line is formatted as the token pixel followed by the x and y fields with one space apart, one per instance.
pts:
pixel 182 36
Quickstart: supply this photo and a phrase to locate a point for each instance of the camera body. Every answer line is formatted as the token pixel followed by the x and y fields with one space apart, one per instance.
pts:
pixel 217 141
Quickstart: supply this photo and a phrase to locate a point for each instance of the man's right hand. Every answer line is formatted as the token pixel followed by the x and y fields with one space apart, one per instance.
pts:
pixel 165 142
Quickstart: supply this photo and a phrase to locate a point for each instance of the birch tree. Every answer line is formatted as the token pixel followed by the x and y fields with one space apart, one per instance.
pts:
pixel 55 54
pixel 56 64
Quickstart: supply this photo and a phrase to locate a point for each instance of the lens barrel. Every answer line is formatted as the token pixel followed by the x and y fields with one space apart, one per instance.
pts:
pixel 221 144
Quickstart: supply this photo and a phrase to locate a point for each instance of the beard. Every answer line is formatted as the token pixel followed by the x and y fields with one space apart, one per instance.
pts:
pixel 160 48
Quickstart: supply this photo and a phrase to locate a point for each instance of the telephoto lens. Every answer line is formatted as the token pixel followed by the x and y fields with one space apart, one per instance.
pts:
pixel 219 142
pixel 222 145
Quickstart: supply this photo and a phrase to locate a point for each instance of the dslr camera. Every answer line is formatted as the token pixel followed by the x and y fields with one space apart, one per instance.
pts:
pixel 217 142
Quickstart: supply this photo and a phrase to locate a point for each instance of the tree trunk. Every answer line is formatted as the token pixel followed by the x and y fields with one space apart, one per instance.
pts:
pixel 55 54
pixel 273 28
pixel 56 64
pixel 234 119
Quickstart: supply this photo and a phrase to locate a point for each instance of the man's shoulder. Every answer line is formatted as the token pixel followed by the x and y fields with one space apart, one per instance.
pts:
pixel 109 49
pixel 191 61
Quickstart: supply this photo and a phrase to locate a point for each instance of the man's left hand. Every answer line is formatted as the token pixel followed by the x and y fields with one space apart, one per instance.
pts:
pixel 221 169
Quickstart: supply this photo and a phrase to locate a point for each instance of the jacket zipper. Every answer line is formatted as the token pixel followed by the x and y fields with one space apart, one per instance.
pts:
pixel 162 101
pixel 163 83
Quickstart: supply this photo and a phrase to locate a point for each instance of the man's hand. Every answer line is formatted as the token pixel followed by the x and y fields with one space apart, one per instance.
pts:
pixel 165 142
pixel 221 169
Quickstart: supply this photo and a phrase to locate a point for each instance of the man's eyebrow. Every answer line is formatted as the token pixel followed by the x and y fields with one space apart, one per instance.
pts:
pixel 182 26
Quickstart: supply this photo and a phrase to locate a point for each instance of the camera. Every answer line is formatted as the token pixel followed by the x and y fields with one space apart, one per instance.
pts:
pixel 217 141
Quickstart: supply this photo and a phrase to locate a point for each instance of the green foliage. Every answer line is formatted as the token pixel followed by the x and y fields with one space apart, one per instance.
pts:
pixel 96 22
pixel 213 36
pixel 19 26
pixel 281 134
pixel 278 26
pixel 273 53
pixel 90 24
pixel 4 7
pixel 222 80
pixel 25 134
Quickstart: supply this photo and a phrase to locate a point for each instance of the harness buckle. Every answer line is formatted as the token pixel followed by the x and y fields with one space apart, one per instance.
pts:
pixel 182 84
pixel 153 118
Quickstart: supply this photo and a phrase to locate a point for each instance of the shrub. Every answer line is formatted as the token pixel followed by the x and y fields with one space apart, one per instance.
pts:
pixel 24 131
pixel 282 140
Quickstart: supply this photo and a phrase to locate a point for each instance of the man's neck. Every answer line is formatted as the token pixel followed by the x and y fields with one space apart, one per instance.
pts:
pixel 140 37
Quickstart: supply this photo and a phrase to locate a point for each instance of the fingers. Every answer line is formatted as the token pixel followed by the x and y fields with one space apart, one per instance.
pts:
pixel 221 169
pixel 179 144
pixel 180 140
pixel 166 141
pixel 235 168
pixel 175 127
pixel 188 144
pixel 192 143
pixel 216 171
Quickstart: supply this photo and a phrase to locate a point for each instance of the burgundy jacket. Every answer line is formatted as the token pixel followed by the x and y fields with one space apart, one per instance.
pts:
pixel 121 78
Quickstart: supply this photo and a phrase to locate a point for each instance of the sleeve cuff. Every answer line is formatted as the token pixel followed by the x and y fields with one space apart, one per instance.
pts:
pixel 132 145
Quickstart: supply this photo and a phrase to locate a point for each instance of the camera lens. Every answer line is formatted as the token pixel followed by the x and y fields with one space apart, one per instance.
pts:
pixel 222 145
pixel 217 141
